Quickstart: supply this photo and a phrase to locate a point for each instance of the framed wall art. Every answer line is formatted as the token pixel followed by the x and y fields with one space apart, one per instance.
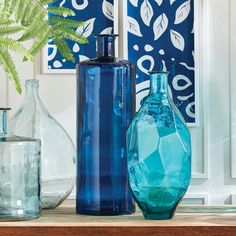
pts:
pixel 159 35
pixel 156 35
pixel 99 17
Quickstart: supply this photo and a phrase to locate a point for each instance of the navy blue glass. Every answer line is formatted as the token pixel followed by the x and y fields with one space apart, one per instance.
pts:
pixel 105 108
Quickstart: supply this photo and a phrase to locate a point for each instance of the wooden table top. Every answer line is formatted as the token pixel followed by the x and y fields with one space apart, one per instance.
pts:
pixel 63 221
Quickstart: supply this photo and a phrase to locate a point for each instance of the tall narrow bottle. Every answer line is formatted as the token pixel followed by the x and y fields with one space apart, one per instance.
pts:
pixel 105 108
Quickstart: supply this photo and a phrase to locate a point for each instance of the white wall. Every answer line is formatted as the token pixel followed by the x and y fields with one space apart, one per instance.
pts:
pixel 213 155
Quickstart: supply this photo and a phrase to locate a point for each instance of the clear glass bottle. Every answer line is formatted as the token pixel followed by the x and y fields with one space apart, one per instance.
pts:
pixel 159 153
pixel 105 108
pixel 19 175
pixel 58 152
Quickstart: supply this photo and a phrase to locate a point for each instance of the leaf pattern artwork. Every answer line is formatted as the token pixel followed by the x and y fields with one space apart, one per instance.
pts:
pixel 134 2
pixel 87 29
pixel 107 9
pixel 133 27
pixel 108 30
pixel 78 6
pixel 182 12
pixel 98 18
pixel 160 25
pixel 159 2
pixel 160 36
pixel 146 12
pixel 177 39
pixel 163 39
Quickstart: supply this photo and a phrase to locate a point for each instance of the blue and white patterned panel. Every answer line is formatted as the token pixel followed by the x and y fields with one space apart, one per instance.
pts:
pixel 161 36
pixel 98 15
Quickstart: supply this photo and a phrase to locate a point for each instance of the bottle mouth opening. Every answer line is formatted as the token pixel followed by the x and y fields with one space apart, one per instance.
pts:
pixel 32 82
pixel 159 72
pixel 106 35
pixel 5 108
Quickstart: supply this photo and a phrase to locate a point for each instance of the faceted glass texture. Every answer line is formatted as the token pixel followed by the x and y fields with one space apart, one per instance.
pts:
pixel 159 153
pixel 58 152
pixel 105 109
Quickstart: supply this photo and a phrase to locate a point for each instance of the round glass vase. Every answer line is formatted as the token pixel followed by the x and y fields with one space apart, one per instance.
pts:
pixel 19 175
pixel 159 153
pixel 58 153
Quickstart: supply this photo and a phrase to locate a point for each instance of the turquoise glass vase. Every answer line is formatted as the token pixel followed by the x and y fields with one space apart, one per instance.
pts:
pixel 159 153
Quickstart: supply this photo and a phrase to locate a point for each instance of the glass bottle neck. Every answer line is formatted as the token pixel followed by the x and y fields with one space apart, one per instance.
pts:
pixel 159 83
pixel 32 100
pixel 3 123
pixel 31 87
pixel 106 46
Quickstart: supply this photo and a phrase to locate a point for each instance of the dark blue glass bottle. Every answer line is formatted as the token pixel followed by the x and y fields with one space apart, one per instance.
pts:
pixel 105 109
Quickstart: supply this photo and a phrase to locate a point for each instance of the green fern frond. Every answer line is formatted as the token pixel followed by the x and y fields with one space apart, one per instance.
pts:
pixel 15 5
pixel 6 9
pixel 33 15
pixel 68 33
pixel 10 68
pixel 55 20
pixel 6 30
pixel 27 11
pixel 23 5
pixel 46 2
pixel 6 22
pixel 39 44
pixel 64 49
pixel 60 11
pixel 13 45
pixel 21 9
pixel 37 27
pixel 29 17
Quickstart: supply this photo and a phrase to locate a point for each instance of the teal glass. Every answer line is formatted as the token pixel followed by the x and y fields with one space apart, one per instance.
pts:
pixel 19 175
pixel 159 153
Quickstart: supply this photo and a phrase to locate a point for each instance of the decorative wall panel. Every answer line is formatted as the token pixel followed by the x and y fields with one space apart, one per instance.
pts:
pixel 99 18
pixel 161 37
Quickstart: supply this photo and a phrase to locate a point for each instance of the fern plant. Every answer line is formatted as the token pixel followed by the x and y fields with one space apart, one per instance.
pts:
pixel 24 20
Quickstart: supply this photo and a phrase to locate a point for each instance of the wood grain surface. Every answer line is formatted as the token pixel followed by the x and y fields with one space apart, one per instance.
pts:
pixel 63 221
